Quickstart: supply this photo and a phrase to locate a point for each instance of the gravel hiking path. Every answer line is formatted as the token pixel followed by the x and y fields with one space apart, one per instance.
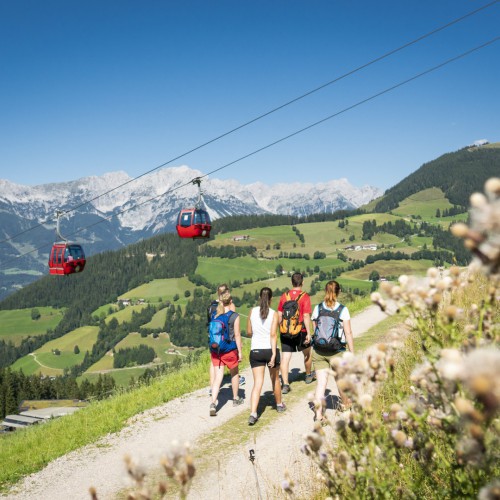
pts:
pixel 186 419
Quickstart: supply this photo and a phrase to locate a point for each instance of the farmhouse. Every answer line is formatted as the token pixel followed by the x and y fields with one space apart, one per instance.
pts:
pixel 34 417
pixel 357 248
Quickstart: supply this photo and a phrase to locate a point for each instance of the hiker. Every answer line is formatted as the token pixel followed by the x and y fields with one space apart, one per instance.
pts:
pixel 210 310
pixel 225 348
pixel 332 333
pixel 262 327
pixel 294 312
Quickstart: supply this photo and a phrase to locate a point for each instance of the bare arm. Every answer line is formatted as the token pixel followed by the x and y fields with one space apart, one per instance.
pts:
pixel 237 337
pixel 348 334
pixel 307 324
pixel 274 339
pixel 249 327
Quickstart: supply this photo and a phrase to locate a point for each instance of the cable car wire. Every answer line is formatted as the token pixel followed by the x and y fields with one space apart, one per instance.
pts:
pixel 260 117
pixel 293 134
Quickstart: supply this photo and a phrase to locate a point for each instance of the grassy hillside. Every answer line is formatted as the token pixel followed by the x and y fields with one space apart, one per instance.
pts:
pixel 424 204
pixel 44 361
pixel 17 324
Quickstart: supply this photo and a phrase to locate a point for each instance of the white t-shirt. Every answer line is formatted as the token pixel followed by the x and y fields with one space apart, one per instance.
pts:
pixel 344 315
pixel 261 329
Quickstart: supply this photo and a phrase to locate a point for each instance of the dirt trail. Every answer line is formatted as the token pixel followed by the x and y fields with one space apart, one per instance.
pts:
pixel 150 434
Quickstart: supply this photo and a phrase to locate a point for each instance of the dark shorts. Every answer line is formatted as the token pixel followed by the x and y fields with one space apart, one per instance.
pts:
pixel 294 344
pixel 261 357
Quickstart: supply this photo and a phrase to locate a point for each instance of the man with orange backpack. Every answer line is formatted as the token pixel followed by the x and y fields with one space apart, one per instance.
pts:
pixel 294 314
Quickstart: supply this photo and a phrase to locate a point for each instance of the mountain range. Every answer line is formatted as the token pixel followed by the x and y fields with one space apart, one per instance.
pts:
pixel 140 209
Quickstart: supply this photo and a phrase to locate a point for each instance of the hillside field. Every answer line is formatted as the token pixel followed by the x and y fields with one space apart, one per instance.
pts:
pixel 17 324
pixel 45 362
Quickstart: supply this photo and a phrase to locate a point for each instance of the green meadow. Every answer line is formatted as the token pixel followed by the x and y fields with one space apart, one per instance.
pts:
pixel 125 314
pixel 390 268
pixel 158 320
pixel 161 344
pixel 45 362
pixel 17 324
pixel 103 311
pixel 157 289
pixel 425 204
pixel 260 238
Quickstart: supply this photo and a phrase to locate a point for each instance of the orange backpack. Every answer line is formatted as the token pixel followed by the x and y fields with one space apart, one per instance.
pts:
pixel 290 326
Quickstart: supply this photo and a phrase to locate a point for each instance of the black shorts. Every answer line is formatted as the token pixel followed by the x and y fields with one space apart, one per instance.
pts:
pixel 261 357
pixel 294 344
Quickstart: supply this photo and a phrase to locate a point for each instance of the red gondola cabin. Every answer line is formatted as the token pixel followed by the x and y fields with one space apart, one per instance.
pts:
pixel 66 258
pixel 193 223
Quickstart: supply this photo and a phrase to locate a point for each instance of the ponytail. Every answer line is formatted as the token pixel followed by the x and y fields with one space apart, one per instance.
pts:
pixel 266 294
pixel 224 300
pixel 332 290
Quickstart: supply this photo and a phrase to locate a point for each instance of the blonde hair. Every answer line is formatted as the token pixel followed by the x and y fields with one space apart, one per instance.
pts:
pixel 221 289
pixel 225 299
pixel 332 290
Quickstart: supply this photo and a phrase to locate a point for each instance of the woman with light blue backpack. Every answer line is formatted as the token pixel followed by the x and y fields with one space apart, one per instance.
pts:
pixel 332 335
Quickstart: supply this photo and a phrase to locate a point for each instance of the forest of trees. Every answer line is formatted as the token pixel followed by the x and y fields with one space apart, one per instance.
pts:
pixel 227 251
pixel 131 356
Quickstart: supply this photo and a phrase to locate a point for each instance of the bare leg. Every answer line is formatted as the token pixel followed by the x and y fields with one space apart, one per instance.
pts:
pixel 235 381
pixel 218 376
pixel 319 396
pixel 307 360
pixel 285 364
pixel 258 381
pixel 212 375
pixel 275 380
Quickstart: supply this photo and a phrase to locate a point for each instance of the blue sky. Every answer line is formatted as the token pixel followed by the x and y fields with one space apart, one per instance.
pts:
pixel 100 86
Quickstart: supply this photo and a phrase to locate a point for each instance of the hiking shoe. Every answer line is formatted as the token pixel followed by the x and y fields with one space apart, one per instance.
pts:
pixel 213 410
pixel 285 389
pixel 252 420
pixel 238 401
pixel 242 380
pixel 309 378
pixel 281 408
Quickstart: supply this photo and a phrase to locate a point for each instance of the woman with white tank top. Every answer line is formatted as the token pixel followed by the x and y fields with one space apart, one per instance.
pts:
pixel 262 327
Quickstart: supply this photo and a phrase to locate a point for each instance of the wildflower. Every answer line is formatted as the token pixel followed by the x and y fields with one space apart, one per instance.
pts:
pixel 481 375
pixel 287 484
pixel 469 451
pixel 403 279
pixel 399 437
pixel 314 441
pixel 491 491
pixel 376 298
pixel 450 364
pixel 340 426
pixel 365 402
